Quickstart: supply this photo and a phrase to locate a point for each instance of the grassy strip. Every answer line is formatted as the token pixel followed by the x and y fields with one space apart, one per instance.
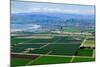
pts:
pixel 76 59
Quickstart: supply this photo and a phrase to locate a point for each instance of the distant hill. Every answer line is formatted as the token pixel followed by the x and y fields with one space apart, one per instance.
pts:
pixel 56 20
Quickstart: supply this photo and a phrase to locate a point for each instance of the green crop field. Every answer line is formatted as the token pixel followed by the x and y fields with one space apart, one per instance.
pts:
pixel 71 30
pixel 23 47
pixel 19 40
pixel 29 45
pixel 50 60
pixel 51 33
pixel 85 52
pixel 83 59
pixel 58 49
pixel 62 46
pixel 58 45
pixel 40 40
pixel 89 30
pixel 19 61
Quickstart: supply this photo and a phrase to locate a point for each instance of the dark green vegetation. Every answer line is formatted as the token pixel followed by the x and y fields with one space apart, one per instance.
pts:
pixel 85 52
pixel 58 45
pixel 16 40
pixel 40 40
pixel 19 62
pixel 83 59
pixel 23 47
pixel 19 40
pixel 48 60
pixel 51 60
pixel 57 49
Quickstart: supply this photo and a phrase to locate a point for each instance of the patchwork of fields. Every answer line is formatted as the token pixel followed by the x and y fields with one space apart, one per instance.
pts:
pixel 57 49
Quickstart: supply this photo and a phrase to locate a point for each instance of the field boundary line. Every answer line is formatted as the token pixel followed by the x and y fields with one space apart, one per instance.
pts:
pixel 52 55
pixel 44 46
pixel 56 41
pixel 48 44
pixel 72 59
pixel 82 44
pixel 49 52
pixel 33 60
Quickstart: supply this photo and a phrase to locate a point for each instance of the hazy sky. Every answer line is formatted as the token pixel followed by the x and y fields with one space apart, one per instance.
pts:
pixel 25 7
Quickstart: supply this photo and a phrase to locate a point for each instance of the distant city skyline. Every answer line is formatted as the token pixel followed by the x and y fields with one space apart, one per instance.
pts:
pixel 27 7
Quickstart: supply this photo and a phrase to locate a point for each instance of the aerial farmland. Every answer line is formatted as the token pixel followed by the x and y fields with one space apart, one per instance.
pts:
pixel 51 36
